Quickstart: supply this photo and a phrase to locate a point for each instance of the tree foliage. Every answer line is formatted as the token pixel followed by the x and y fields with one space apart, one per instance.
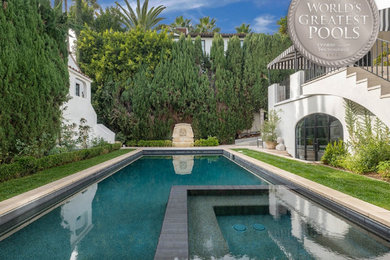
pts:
pixel 142 96
pixel 108 19
pixel 243 28
pixel 180 22
pixel 207 25
pixel 89 13
pixel 144 18
pixel 117 55
pixel 34 75
pixel 283 28
pixel 82 13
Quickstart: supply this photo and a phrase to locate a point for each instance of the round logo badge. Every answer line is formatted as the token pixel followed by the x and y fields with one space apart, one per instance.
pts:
pixel 333 33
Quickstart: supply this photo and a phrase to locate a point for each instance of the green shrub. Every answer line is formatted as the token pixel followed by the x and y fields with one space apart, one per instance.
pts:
pixel 98 142
pixel 369 139
pixel 210 141
pixel 131 143
pixel 367 157
pixel 384 169
pixel 154 143
pixel 335 154
pixel 149 143
pixel 27 165
pixel 268 130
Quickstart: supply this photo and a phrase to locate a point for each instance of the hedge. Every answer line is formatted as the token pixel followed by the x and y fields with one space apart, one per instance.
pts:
pixel 28 165
pixel 210 141
pixel 150 143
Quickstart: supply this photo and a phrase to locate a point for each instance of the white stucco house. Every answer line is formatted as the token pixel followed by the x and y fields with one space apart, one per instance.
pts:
pixel 311 101
pixel 79 105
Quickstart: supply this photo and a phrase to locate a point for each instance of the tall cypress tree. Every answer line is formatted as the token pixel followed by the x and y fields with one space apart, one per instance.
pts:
pixel 34 75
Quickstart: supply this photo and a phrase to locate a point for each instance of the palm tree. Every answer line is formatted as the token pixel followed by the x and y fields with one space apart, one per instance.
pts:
pixel 142 17
pixel 243 28
pixel 181 22
pixel 207 26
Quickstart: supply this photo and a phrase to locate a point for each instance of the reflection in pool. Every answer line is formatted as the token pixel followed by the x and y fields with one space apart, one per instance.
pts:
pixel 120 217
pixel 294 228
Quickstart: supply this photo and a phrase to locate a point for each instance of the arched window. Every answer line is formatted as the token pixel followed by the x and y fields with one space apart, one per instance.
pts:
pixel 313 133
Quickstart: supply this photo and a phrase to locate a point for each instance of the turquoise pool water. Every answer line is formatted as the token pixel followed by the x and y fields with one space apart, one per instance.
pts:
pixel 120 217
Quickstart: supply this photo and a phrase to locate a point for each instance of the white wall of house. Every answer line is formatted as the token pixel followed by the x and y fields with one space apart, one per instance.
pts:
pixel 357 85
pixel 292 111
pixel 208 42
pixel 327 95
pixel 79 105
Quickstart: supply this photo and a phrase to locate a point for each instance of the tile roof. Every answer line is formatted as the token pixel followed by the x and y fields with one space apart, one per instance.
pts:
pixel 79 71
pixel 224 35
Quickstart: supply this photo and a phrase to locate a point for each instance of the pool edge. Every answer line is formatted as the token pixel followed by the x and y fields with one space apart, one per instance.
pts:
pixel 368 216
pixel 22 208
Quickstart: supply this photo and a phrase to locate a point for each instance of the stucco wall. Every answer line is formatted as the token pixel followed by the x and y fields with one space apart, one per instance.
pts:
pixel 80 107
pixel 293 110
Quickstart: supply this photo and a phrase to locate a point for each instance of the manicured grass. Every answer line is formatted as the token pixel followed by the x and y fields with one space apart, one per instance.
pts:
pixel 15 187
pixel 373 191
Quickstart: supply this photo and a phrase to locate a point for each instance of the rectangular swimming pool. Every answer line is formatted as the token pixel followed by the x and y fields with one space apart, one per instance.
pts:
pixel 121 217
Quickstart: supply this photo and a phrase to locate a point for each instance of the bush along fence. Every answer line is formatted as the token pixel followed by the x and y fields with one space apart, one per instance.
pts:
pixel 28 165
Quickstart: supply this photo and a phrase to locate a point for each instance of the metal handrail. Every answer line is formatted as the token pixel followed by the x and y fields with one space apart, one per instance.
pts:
pixel 377 61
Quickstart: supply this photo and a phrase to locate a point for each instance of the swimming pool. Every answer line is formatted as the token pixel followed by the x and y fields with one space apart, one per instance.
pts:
pixel 121 216
pixel 275 223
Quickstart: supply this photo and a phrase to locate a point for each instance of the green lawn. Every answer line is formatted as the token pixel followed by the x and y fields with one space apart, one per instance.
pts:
pixel 15 187
pixel 373 191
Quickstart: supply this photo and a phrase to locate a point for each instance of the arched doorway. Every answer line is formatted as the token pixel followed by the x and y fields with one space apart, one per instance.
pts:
pixel 313 133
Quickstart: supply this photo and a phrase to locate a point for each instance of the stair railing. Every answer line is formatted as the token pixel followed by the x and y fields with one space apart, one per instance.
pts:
pixel 377 61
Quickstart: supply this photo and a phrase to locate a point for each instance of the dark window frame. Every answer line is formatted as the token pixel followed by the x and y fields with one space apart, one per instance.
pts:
pixel 311 122
pixel 78 89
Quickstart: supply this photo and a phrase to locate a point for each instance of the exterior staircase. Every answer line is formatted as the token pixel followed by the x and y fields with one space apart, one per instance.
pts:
pixel 371 79
pixel 364 87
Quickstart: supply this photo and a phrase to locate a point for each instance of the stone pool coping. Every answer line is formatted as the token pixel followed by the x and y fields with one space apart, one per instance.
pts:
pixel 22 208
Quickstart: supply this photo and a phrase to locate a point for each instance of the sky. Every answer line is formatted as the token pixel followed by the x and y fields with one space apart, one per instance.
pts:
pixel 262 15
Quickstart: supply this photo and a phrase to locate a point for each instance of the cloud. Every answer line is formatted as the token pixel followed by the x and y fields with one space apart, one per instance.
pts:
pixel 264 24
pixel 184 5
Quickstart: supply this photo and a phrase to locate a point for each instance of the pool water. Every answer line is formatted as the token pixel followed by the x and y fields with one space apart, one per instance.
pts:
pixel 120 217
pixel 278 224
